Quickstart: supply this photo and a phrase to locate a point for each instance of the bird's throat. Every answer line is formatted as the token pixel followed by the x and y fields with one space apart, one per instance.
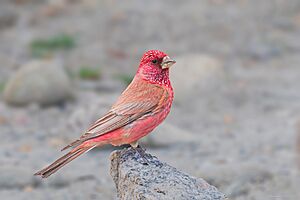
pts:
pixel 160 77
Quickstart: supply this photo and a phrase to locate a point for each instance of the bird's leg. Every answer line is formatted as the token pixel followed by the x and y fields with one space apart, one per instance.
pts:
pixel 140 151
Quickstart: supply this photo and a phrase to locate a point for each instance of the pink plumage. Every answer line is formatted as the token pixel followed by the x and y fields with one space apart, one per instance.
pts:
pixel 143 105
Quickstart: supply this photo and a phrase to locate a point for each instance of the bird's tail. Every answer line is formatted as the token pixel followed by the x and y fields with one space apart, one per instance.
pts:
pixel 62 161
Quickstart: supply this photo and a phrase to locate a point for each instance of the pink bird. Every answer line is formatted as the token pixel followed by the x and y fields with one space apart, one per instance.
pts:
pixel 143 105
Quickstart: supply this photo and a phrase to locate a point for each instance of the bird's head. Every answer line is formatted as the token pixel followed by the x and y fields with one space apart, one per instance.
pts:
pixel 154 66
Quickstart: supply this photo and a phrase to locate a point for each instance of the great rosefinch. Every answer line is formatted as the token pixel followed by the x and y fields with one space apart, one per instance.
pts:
pixel 144 104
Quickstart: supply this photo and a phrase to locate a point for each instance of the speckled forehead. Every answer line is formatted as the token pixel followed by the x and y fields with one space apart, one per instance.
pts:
pixel 153 54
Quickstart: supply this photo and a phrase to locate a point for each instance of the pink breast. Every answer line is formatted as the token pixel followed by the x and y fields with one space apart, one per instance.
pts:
pixel 137 129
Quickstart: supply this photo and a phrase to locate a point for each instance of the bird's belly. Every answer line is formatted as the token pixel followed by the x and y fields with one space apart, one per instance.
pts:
pixel 136 130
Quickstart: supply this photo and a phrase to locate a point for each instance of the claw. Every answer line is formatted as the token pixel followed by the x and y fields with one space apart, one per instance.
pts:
pixel 141 151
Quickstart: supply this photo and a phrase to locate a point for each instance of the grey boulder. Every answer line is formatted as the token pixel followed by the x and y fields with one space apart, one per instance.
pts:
pixel 157 180
pixel 41 82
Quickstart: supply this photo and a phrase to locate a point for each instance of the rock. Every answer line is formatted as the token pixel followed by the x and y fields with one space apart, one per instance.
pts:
pixel 157 180
pixel 103 85
pixel 235 179
pixel 167 134
pixel 21 2
pixel 263 51
pixel 42 82
pixel 194 73
pixel 250 176
pixel 16 177
pixel 8 17
pixel 298 144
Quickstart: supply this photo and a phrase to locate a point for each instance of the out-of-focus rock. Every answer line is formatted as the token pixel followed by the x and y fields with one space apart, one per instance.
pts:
pixel 8 17
pixel 54 7
pixel 237 179
pixel 262 51
pixel 218 175
pixel 167 134
pixel 298 143
pixel 42 82
pixel 157 180
pixel 16 177
pixel 21 2
pixel 250 176
pixel 193 74
pixel 103 85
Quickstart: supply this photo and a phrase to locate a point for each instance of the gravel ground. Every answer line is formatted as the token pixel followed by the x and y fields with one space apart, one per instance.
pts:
pixel 243 123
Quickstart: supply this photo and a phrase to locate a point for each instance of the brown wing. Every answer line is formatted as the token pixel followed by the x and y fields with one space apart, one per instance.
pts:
pixel 139 99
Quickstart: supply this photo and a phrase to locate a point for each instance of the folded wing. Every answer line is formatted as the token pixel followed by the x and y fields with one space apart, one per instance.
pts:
pixel 140 99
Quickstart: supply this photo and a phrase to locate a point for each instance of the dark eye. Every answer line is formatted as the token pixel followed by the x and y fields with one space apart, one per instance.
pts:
pixel 154 61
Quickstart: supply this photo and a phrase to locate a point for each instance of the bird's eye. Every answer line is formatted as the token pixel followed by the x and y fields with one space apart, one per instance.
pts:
pixel 154 61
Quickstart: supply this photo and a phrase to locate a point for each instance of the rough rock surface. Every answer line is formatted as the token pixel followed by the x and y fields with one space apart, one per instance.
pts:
pixel 136 180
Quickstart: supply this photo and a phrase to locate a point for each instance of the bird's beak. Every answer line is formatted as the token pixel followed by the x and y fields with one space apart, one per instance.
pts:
pixel 167 62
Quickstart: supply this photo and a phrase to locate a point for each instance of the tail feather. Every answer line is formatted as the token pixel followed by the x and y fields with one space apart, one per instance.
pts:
pixel 62 161
pixel 72 144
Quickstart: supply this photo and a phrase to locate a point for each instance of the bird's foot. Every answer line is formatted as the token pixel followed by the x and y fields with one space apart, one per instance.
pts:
pixel 141 151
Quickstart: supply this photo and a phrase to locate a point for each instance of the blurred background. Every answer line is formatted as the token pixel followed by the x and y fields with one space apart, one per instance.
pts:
pixel 236 117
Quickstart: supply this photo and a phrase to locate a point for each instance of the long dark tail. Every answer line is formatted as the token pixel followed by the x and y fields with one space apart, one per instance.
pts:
pixel 62 161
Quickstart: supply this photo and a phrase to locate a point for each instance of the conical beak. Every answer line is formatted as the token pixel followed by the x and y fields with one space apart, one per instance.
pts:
pixel 167 62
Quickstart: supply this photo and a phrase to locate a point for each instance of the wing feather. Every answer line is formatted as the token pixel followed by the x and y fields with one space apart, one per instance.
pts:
pixel 139 99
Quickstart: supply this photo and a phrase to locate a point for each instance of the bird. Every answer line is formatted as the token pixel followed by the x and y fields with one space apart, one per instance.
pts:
pixel 141 107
